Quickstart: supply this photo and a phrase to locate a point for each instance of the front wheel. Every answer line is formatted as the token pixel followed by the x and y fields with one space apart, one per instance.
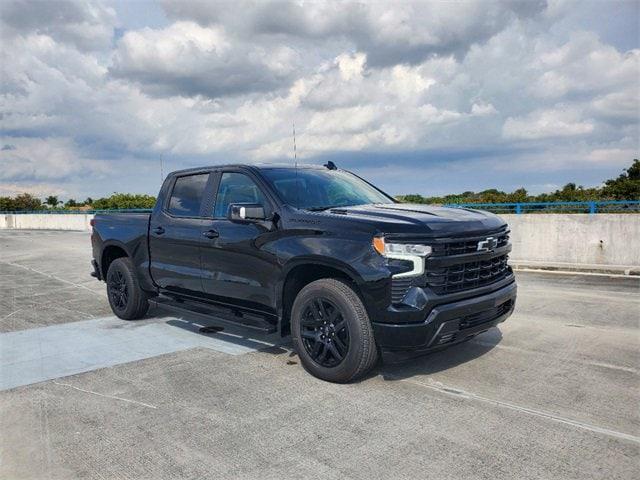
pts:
pixel 331 331
pixel 128 301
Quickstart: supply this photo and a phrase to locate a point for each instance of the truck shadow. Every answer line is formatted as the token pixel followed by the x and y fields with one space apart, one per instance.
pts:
pixel 446 359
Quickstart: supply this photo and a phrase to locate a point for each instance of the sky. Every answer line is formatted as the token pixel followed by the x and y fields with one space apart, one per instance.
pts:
pixel 418 97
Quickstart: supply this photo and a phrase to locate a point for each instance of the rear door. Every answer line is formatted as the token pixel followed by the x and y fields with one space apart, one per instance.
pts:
pixel 175 235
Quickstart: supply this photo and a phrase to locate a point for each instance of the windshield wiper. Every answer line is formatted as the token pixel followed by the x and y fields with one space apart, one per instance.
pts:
pixel 321 209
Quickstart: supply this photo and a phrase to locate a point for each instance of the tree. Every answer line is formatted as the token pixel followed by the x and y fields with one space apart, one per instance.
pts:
pixel 7 204
pixel 626 186
pixel 26 201
pixel 71 203
pixel 52 201
pixel 124 201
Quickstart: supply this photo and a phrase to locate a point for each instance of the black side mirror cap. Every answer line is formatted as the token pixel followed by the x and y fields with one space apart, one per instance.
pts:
pixel 246 212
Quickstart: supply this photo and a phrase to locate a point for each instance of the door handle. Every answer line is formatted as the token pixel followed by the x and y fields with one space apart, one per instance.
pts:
pixel 211 234
pixel 158 230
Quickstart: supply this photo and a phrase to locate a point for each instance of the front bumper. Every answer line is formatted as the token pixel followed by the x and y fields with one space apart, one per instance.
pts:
pixel 448 324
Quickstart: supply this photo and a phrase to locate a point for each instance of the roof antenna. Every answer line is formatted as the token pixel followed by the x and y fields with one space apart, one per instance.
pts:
pixel 161 170
pixel 295 160
pixel 295 152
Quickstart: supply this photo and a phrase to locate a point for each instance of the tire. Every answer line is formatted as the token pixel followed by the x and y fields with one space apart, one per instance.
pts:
pixel 328 315
pixel 127 300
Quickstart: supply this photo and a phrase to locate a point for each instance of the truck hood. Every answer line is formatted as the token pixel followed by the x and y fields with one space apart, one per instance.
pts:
pixel 416 219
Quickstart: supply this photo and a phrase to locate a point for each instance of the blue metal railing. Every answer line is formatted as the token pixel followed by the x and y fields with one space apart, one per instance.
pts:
pixel 592 207
pixel 59 211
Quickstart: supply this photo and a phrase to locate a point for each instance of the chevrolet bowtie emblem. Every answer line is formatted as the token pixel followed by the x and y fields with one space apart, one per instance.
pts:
pixel 487 245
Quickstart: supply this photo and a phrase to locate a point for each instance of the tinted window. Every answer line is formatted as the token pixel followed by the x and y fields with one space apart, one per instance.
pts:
pixel 187 195
pixel 236 188
pixel 316 189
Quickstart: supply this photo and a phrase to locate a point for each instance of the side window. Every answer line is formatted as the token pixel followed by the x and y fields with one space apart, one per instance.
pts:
pixel 187 194
pixel 236 188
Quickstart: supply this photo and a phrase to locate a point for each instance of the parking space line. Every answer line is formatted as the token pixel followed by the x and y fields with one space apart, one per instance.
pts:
pixel 33 270
pixel 105 396
pixel 564 359
pixel 458 393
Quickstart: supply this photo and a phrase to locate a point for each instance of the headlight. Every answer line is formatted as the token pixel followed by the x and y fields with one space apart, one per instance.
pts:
pixel 403 251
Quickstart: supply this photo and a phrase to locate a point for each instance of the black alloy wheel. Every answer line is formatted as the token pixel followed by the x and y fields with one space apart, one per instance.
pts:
pixel 324 332
pixel 128 301
pixel 118 290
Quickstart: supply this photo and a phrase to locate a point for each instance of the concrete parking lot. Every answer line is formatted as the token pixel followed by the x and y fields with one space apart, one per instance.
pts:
pixel 553 393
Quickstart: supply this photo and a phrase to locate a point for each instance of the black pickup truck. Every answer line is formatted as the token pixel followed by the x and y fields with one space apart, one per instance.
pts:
pixel 314 252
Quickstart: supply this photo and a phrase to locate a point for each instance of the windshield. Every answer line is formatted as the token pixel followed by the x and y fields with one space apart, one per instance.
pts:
pixel 322 189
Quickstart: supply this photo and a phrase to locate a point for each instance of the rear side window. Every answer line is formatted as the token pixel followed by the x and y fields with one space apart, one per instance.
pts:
pixel 187 194
pixel 236 188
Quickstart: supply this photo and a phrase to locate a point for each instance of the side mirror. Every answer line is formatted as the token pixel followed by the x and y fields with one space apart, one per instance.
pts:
pixel 246 212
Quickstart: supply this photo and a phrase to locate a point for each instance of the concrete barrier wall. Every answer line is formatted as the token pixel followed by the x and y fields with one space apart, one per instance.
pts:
pixel 582 239
pixel 45 221
pixel 602 239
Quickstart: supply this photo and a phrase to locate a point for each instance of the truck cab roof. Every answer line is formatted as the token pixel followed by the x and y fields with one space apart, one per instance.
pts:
pixel 250 166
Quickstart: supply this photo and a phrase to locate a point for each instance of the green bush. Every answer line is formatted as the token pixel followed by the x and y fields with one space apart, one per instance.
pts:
pixel 24 201
pixel 123 201
pixel 625 187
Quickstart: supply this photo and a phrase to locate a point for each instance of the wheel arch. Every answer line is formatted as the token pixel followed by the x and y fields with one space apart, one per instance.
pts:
pixel 111 252
pixel 301 273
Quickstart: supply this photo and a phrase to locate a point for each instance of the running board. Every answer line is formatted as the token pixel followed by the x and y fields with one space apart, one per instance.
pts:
pixel 239 318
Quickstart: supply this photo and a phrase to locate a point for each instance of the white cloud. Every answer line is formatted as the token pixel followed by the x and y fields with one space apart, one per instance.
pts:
pixel 187 59
pixel 40 190
pixel 224 81
pixel 558 122
pixel 37 159
pixel 86 25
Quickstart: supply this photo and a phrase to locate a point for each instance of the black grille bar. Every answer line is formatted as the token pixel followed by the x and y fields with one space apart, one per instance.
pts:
pixel 465 276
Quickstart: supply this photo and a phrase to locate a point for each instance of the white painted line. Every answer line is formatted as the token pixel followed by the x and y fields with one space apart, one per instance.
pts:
pixel 105 396
pixel 33 270
pixel 568 272
pixel 455 392
pixel 533 352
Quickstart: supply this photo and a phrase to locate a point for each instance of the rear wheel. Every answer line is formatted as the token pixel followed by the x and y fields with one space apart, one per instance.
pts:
pixel 128 301
pixel 331 331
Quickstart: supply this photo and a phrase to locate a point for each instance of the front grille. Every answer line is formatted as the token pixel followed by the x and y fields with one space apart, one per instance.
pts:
pixel 462 246
pixel 465 276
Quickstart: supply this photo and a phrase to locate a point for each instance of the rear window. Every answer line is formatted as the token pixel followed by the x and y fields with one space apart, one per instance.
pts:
pixel 187 194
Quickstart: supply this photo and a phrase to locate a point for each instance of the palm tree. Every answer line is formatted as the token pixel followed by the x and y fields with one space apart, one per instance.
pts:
pixel 52 201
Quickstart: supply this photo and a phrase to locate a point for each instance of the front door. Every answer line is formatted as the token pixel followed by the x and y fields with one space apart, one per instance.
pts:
pixel 175 236
pixel 237 266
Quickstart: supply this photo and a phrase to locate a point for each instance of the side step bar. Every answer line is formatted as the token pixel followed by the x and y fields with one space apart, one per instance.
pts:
pixel 239 318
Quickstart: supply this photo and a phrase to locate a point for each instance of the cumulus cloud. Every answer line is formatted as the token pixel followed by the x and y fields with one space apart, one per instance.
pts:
pixel 187 59
pixel 420 81
pixel 87 25
pixel 38 159
pixel 387 33
pixel 547 124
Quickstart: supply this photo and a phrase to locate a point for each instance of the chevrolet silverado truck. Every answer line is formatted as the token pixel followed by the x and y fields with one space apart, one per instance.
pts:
pixel 314 252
